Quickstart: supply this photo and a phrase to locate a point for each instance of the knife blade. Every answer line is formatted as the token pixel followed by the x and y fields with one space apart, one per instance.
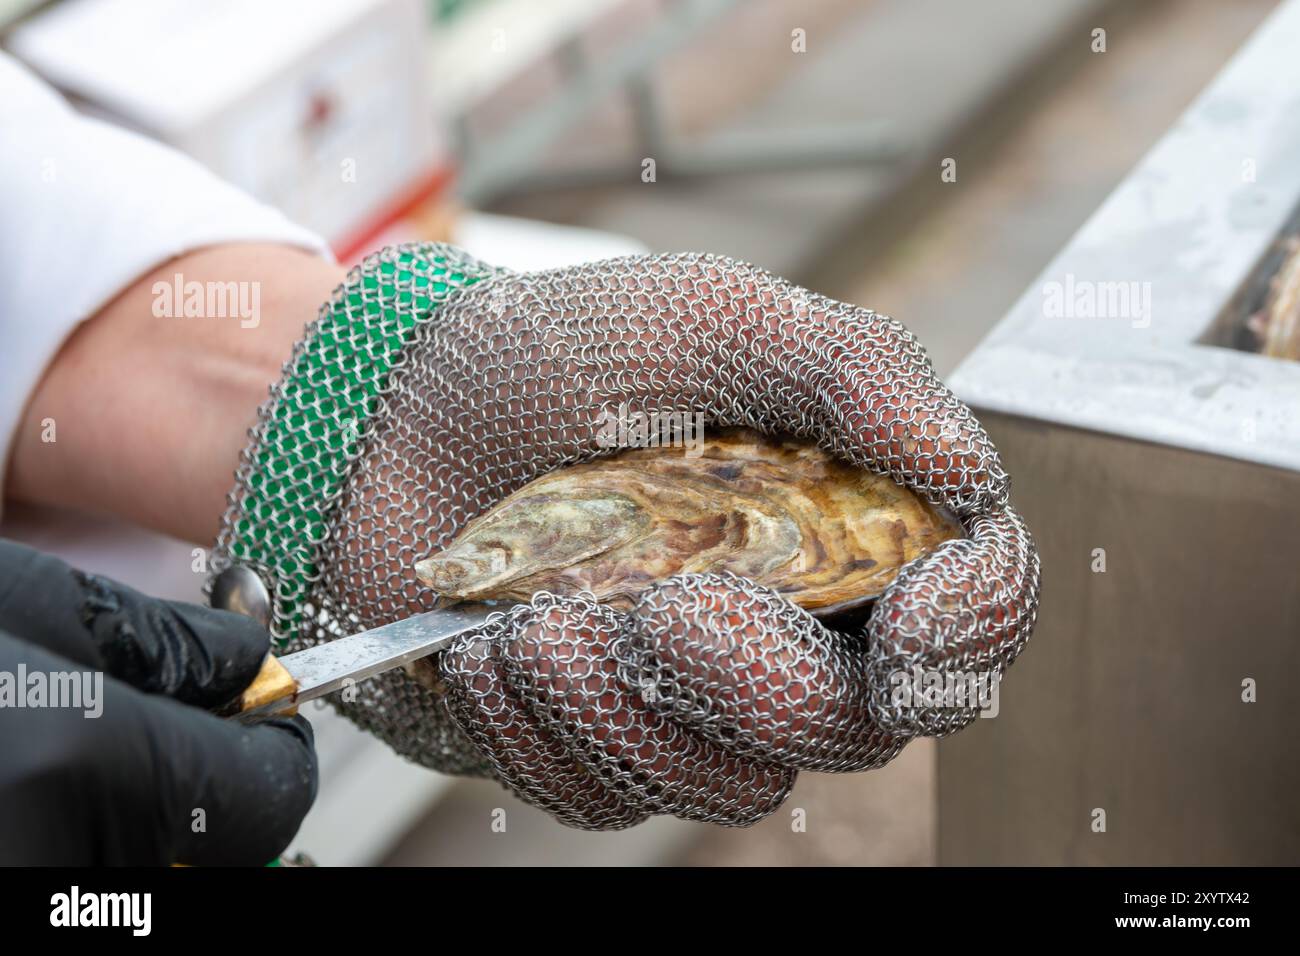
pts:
pixel 286 682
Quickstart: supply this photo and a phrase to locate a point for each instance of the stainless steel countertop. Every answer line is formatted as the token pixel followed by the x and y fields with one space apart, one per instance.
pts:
pixel 1188 226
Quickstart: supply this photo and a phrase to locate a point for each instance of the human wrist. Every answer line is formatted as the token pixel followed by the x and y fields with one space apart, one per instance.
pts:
pixel 144 410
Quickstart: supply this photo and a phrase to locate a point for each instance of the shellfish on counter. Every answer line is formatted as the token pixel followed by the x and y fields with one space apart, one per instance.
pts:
pixel 824 534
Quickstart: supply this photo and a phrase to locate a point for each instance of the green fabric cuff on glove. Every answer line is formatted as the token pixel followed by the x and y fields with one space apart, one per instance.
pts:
pixel 316 422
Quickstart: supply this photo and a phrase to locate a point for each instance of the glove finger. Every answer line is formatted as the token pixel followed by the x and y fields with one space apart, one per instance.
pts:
pixel 745 347
pixel 527 758
pixel 137 779
pixel 886 408
pixel 747 669
pixel 198 655
pixel 962 612
pixel 864 383
pixel 562 659
pixel 696 332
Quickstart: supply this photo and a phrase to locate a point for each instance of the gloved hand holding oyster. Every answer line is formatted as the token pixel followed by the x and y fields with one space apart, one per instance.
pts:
pixel 668 656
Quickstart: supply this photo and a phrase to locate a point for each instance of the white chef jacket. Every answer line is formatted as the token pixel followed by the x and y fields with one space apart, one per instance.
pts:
pixel 86 208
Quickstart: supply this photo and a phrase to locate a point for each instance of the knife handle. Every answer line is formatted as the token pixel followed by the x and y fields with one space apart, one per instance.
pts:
pixel 240 589
pixel 272 681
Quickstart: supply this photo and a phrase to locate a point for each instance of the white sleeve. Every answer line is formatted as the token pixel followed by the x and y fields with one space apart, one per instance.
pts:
pixel 86 208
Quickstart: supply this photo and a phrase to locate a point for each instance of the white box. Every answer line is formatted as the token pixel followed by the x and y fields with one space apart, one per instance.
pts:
pixel 318 107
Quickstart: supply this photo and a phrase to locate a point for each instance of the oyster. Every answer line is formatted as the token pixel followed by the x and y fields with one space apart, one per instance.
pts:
pixel 1276 326
pixel 826 535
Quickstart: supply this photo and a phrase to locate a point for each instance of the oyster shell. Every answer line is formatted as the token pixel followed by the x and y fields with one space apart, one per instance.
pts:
pixel 826 535
pixel 1276 326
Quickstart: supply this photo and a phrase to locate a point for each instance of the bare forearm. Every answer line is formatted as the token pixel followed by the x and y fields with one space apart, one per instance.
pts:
pixel 150 411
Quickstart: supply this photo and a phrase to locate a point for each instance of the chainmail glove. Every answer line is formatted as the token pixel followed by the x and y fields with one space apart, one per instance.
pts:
pixel 434 385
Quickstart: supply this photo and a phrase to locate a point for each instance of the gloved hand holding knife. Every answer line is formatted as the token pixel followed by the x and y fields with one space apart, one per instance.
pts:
pixel 110 754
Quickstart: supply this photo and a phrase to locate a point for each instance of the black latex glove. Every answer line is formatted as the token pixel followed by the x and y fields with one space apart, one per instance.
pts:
pixel 131 785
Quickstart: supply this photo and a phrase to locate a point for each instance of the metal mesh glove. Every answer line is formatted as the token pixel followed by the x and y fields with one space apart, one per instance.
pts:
pixel 434 385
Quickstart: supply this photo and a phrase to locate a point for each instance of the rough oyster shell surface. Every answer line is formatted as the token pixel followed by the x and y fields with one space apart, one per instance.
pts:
pixel 826 535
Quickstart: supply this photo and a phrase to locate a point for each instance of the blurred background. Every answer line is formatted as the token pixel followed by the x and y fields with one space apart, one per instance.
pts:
pixel 810 138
